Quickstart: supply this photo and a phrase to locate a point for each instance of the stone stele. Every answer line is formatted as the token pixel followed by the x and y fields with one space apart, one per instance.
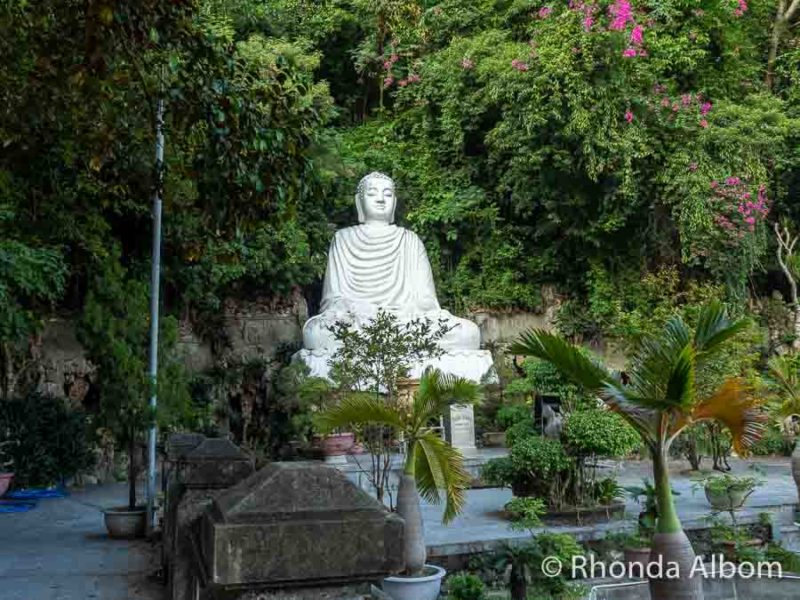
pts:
pixel 375 266
pixel 297 525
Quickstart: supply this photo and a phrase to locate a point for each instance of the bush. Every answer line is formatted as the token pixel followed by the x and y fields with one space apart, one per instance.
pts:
pixel 465 586
pixel 519 431
pixel 599 432
pixel 498 472
pixel 773 443
pixel 46 442
pixel 508 416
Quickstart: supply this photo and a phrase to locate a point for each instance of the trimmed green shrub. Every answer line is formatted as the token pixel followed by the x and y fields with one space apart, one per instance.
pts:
pixel 465 586
pixel 599 432
pixel 46 441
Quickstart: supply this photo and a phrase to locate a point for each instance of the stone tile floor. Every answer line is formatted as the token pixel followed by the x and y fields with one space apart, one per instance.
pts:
pixel 60 550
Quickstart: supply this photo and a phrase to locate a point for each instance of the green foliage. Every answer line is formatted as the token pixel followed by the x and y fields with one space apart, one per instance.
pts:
pixel 465 586
pixel 600 433
pixel 774 442
pixel 372 357
pixel 525 513
pixel 44 441
pixel 543 379
pixel 114 331
pixel 509 415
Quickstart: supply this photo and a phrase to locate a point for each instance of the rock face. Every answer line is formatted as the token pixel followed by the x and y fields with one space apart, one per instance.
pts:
pixel 297 525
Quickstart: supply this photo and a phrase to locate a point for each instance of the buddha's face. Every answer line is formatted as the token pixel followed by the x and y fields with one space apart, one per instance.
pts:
pixel 378 201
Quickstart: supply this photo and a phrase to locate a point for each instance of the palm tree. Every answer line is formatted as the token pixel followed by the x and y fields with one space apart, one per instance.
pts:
pixel 660 400
pixel 431 464
pixel 783 374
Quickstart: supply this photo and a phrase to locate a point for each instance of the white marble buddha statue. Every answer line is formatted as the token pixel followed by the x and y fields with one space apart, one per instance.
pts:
pixel 377 265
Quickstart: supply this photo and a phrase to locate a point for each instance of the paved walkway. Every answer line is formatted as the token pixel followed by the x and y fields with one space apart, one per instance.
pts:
pixel 60 551
pixel 481 526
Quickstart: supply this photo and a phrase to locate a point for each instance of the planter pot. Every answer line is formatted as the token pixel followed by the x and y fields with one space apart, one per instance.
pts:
pixel 425 587
pixel 123 523
pixel 636 559
pixel 729 548
pixel 338 444
pixel 494 439
pixel 727 500
pixel 5 482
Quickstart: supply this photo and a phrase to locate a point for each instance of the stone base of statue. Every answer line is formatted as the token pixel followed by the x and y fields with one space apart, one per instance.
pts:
pixel 475 365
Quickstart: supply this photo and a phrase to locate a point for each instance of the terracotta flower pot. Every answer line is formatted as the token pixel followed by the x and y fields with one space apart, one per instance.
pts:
pixel 5 482
pixel 338 444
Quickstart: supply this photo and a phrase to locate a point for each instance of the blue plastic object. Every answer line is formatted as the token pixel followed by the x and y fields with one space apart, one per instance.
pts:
pixel 16 506
pixel 37 493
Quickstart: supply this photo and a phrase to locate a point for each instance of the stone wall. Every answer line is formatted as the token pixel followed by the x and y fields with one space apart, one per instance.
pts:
pixel 254 329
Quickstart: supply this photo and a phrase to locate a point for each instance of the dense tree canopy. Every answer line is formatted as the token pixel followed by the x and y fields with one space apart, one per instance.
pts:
pixel 584 145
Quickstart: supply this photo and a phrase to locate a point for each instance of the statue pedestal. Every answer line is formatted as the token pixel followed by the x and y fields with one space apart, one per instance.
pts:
pixel 459 427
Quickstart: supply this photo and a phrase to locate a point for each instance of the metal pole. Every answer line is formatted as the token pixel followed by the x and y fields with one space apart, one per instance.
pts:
pixel 155 279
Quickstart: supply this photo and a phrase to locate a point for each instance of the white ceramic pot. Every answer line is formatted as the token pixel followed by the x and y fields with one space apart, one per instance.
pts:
pixel 426 587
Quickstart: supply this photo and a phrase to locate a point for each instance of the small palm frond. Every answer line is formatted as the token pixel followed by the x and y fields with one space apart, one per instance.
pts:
pixel 359 409
pixel 714 327
pixel 567 358
pixel 656 360
pixel 437 391
pixel 782 374
pixel 680 386
pixel 643 419
pixel 735 406
pixel 440 467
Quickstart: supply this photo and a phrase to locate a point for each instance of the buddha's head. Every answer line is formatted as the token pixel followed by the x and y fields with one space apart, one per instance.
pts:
pixel 375 199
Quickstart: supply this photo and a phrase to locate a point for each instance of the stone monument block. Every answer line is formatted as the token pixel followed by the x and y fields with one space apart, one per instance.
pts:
pixel 297 525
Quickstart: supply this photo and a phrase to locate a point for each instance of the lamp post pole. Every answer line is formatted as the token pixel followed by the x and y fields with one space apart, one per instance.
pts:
pixel 155 280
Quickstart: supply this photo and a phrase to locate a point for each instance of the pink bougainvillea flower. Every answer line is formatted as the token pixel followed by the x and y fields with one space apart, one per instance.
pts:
pixel 387 65
pixel 703 123
pixel 588 21
pixel 636 35
pixel 733 181
pixel 388 82
pixel 629 52
pixel 675 107
pixel 629 116
pixel 413 78
pixel 642 52
pixel 544 12
pixel 750 220
pixel 665 101
pixel 693 167
pixel 467 63
pixel 686 99
pixel 714 184
pixel 621 14
pixel 705 108
pixel 402 83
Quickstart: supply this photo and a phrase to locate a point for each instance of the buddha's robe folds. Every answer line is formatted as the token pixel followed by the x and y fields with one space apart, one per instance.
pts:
pixel 384 267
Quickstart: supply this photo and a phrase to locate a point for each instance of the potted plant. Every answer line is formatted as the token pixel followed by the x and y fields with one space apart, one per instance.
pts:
pixel 430 465
pixel 728 492
pixel 115 331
